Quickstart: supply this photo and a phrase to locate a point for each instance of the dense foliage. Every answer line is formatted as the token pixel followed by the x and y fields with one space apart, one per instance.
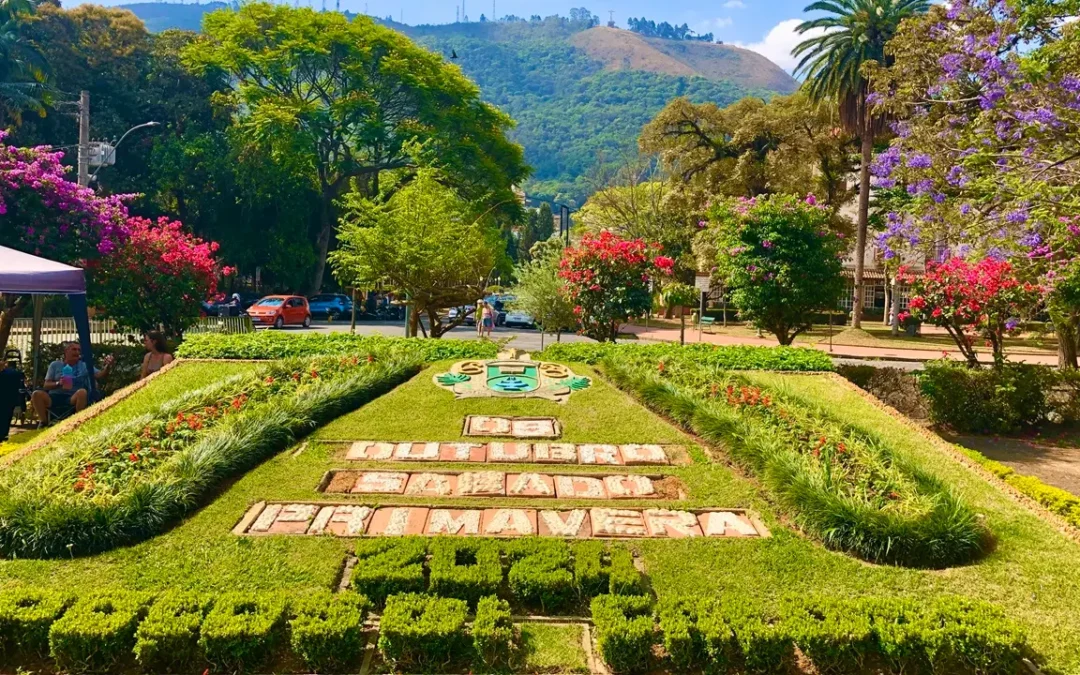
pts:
pixel 739 357
pixel 608 279
pixel 541 293
pixel 665 30
pixel 984 300
pixel 128 482
pixel 267 345
pixel 157 277
pixel 999 400
pixel 846 487
pixel 778 257
pixel 986 152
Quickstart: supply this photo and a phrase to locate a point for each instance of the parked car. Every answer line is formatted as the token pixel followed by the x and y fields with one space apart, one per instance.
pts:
pixel 330 305
pixel 280 311
pixel 516 317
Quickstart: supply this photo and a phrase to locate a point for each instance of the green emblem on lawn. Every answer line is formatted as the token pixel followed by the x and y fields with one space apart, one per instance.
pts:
pixel 513 375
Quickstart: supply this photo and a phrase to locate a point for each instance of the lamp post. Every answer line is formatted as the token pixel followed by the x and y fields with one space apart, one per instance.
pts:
pixel 144 125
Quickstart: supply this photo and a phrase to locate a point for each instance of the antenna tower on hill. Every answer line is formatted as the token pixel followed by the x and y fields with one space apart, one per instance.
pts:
pixel 611 18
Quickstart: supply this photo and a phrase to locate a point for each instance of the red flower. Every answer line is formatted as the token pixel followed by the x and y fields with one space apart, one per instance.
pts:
pixel 269 380
pixel 133 457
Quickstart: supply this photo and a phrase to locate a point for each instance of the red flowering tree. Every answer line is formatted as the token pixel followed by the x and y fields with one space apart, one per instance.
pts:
pixel 970 300
pixel 158 276
pixel 43 213
pixel 607 278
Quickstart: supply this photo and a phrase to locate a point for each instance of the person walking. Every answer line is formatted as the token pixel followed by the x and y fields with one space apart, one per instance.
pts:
pixel 489 319
pixel 479 317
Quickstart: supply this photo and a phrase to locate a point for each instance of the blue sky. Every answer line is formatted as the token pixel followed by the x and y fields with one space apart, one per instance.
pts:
pixel 766 26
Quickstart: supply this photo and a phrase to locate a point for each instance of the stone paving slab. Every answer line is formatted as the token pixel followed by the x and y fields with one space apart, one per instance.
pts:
pixel 592 454
pixel 499 484
pixel 512 427
pixel 354 520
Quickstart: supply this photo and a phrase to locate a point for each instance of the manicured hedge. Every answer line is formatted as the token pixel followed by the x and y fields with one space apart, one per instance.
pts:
pixel 1055 500
pixel 849 489
pixel 50 505
pixel 264 345
pixel 493 632
pixel 714 634
pixel 541 574
pixel 98 633
pixel 168 638
pixel 736 357
pixel 242 630
pixel 422 630
pixel 386 567
pixel 327 631
pixel 465 569
pixel 26 615
pixel 986 400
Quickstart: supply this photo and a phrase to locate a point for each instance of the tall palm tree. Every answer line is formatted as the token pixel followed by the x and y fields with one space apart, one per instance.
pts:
pixel 855 32
pixel 22 66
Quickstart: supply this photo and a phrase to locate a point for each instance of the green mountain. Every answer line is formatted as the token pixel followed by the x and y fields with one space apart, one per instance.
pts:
pixel 580 94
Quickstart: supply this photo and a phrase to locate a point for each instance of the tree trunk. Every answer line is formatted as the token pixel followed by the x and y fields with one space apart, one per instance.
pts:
pixel 864 217
pixel 10 308
pixel 322 243
pixel 895 320
pixel 1067 328
pixel 682 325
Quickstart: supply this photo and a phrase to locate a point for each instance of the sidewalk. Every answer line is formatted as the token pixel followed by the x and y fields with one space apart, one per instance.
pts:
pixel 838 351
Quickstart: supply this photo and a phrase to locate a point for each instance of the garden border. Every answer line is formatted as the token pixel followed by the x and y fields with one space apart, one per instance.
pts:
pixel 951 449
pixel 78 419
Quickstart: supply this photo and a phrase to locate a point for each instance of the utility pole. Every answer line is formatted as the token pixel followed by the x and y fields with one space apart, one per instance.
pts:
pixel 84 138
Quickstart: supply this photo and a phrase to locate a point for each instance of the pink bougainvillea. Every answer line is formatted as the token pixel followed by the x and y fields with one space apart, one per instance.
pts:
pixel 46 214
pixel 608 278
pixel 158 276
pixel 984 299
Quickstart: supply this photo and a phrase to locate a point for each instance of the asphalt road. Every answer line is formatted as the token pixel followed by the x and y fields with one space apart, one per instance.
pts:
pixel 521 338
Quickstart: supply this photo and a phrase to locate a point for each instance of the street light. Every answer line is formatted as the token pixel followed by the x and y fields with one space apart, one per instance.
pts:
pixel 144 125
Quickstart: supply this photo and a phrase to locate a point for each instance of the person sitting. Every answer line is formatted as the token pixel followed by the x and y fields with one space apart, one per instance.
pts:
pixel 69 389
pixel 156 357
pixel 11 396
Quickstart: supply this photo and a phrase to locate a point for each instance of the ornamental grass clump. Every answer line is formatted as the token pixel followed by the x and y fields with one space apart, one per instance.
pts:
pixel 844 487
pixel 91 493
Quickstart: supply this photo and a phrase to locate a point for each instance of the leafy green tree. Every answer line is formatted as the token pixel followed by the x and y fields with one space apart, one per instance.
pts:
pixel 538 227
pixel 678 294
pixel 425 244
pixel 350 98
pixel 22 66
pixel 777 257
pixel 855 34
pixel 541 293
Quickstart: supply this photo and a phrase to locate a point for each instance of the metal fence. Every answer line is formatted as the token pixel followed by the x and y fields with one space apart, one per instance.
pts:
pixel 104 331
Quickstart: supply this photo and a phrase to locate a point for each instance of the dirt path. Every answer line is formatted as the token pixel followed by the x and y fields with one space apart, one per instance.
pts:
pixel 1055 460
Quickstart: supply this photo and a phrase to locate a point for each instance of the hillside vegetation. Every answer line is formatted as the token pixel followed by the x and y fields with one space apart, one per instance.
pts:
pixel 580 95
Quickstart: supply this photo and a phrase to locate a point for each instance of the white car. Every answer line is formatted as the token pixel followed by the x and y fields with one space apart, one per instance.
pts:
pixel 516 317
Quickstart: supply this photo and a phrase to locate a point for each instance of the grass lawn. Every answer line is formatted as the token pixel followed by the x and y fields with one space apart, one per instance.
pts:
pixel 17 440
pixel 1032 573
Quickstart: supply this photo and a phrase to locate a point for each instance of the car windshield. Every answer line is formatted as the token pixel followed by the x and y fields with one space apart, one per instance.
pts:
pixel 324 298
pixel 270 302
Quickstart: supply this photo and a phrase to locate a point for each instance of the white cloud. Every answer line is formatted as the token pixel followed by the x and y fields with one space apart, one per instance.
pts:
pixel 722 22
pixel 779 41
pixel 734 4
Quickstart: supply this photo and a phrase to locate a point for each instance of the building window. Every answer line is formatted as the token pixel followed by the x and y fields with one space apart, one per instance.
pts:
pixel 847 296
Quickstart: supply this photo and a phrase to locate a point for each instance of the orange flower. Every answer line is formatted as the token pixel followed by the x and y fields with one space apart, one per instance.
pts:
pixel 133 457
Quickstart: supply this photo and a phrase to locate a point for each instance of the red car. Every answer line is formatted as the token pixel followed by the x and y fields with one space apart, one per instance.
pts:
pixel 281 310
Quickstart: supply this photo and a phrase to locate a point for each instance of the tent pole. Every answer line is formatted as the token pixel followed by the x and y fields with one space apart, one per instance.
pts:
pixel 35 337
pixel 82 324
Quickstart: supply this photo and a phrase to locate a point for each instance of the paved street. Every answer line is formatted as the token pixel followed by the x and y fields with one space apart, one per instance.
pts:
pixel 522 338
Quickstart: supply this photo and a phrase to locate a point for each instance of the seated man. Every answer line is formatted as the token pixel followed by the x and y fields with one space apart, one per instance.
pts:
pixel 11 384
pixel 61 392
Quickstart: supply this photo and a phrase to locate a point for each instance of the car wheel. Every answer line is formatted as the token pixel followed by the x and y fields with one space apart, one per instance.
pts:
pixel 307 321
pixel 279 323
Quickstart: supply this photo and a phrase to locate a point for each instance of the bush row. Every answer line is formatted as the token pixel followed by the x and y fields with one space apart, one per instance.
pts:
pixel 129 482
pixel 546 574
pixel 179 631
pixel 944 635
pixel 265 345
pixel 849 489
pixel 1055 500
pixel 736 357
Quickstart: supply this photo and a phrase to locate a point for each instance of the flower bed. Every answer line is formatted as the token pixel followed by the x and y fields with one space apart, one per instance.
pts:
pixel 265 345
pixel 130 481
pixel 846 488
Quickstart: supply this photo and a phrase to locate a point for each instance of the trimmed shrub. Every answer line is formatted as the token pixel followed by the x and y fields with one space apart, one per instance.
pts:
pixel 736 357
pixel 985 400
pixel 590 572
pixel 696 635
pixel 422 630
pixel 830 633
pixel 386 567
pixel 624 631
pixel 168 638
pixel 270 345
pixel 327 631
pixel 493 632
pixel 1056 500
pixel 465 569
pixel 970 636
pixel 540 573
pixel 26 615
pixel 624 578
pixel 243 629
pixel 98 633
pixel 764 644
